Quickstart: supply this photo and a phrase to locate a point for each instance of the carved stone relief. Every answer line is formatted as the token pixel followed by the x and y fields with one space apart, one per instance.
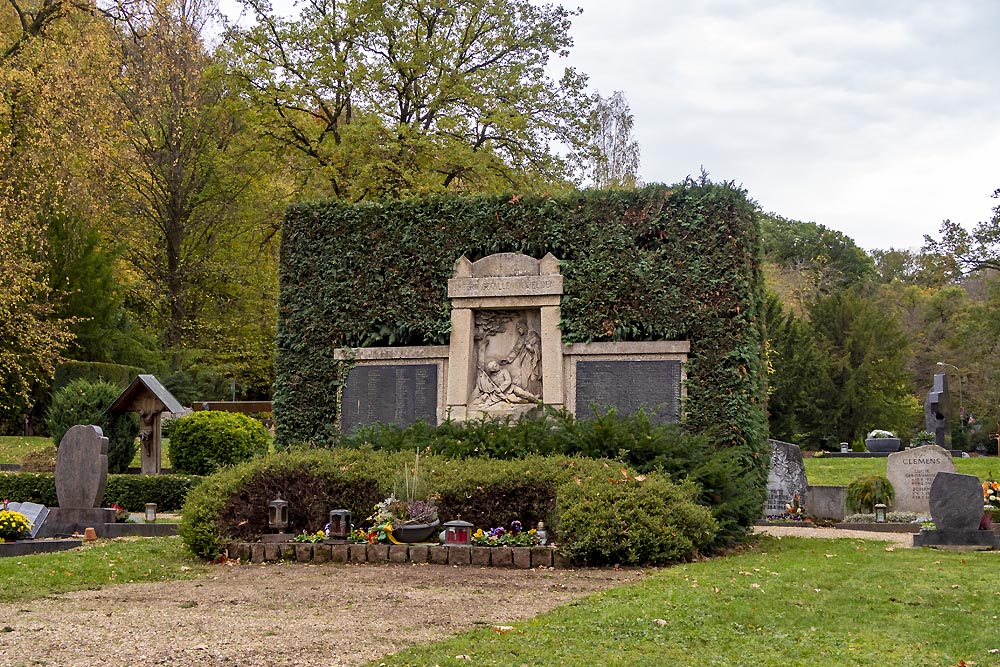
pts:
pixel 508 358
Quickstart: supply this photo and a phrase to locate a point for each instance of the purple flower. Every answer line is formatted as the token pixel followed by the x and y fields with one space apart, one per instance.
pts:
pixel 515 527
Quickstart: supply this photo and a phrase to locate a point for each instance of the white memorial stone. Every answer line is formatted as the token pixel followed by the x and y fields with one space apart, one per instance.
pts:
pixel 911 473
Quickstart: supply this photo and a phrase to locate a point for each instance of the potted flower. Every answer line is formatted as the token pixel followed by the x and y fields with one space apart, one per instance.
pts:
pixel 991 501
pixel 13 525
pixel 923 438
pixel 409 519
pixel 881 441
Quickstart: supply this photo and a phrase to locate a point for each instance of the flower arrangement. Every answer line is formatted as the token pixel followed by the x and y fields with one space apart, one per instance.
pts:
pixel 794 508
pixel 991 495
pixel 13 525
pixel 516 536
pixel 121 514
pixel 878 434
pixel 313 538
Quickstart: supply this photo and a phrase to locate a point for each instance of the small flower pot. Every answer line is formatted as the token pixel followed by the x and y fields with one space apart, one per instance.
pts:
pixel 882 445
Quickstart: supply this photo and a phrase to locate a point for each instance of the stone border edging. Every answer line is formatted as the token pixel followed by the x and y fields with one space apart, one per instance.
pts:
pixel 305 552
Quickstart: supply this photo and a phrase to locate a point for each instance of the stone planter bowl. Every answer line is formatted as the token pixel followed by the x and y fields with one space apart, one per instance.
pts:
pixel 416 533
pixel 882 445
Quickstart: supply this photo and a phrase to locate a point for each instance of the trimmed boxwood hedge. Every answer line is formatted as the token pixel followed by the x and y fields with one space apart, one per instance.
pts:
pixel 130 491
pixel 232 504
pixel 660 263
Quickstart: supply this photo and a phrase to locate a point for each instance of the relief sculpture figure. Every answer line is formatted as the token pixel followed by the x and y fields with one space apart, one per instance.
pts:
pixel 525 359
pixel 496 386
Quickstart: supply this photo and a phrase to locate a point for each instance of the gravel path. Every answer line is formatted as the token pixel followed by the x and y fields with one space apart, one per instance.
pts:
pixel 281 615
pixel 897 539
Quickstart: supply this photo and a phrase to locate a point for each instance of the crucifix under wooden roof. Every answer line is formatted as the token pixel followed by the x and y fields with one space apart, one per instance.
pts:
pixel 150 399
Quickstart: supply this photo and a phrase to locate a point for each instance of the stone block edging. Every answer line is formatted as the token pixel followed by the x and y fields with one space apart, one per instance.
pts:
pixel 305 552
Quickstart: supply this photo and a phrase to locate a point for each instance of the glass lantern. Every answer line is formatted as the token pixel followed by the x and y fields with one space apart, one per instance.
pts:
pixel 150 513
pixel 277 514
pixel 340 525
pixel 880 513
pixel 458 533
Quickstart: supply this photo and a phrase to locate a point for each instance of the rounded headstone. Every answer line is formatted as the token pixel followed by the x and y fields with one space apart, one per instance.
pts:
pixel 911 473
pixel 81 468
pixel 956 501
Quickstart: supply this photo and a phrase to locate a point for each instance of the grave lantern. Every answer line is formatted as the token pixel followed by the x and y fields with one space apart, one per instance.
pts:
pixel 150 514
pixel 277 514
pixel 458 533
pixel 340 524
pixel 845 447
pixel 880 513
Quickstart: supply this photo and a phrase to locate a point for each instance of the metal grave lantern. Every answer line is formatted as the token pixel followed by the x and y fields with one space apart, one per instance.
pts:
pixel 458 533
pixel 340 524
pixel 150 513
pixel 277 514
pixel 880 513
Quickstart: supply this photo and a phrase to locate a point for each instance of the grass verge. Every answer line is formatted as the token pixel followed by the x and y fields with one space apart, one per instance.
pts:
pixel 833 471
pixel 106 562
pixel 14 447
pixel 792 601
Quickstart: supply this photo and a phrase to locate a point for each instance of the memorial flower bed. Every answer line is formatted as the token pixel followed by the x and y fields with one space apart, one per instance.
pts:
pixel 515 536
pixel 13 525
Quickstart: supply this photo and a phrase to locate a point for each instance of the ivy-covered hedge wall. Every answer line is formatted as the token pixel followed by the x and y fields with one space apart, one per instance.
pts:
pixel 661 263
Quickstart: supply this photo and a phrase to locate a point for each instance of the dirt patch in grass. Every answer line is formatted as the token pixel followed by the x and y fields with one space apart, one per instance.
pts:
pixel 283 614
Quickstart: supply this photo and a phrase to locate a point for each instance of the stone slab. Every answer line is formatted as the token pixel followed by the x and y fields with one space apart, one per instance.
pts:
pixel 504 286
pixel 397 394
pixel 826 502
pixel 439 555
pixel 459 555
pixel 81 467
pixel 391 354
pixel 257 553
pixel 33 512
pixel 912 472
pixel 419 553
pixel 271 551
pixel 629 385
pixel 322 553
pixel 502 557
pixel 303 552
pixel 339 553
pixel 956 502
pixel 29 547
pixel 541 556
pixel 399 553
pixel 522 557
pixel 481 556
pixel 138 530
pixel 378 553
pixel 241 552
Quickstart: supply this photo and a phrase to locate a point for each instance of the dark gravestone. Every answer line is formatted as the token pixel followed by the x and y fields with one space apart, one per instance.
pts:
pixel 786 478
pixel 81 476
pixel 937 409
pixel 628 386
pixel 956 508
pixel 392 394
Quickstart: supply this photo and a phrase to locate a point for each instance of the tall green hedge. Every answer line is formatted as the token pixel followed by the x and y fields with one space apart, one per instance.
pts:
pixel 661 263
pixel 130 491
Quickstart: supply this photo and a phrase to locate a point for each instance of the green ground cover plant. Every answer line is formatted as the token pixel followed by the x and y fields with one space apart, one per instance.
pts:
pixel 14 447
pixel 833 471
pixel 106 562
pixel 788 602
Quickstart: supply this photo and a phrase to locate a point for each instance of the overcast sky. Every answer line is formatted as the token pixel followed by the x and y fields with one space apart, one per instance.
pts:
pixel 877 118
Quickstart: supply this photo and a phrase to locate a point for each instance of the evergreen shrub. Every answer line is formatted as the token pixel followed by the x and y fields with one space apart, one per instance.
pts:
pixel 203 442
pixel 232 504
pixel 866 492
pixel 85 402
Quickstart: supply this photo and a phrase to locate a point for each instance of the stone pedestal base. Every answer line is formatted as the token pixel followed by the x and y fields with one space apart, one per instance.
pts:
pixel 66 521
pixel 982 539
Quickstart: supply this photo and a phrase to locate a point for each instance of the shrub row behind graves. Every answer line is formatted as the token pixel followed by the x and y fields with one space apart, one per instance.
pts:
pixel 132 492
pixel 632 439
pixel 85 402
pixel 232 504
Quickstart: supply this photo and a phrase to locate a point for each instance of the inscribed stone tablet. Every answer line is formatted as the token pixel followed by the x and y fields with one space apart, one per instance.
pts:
pixel 390 394
pixel 956 501
pixel 33 512
pixel 912 472
pixel 786 478
pixel 629 385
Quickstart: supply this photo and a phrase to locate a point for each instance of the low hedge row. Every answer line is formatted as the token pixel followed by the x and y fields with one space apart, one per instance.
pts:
pixel 721 476
pixel 130 491
pixel 585 502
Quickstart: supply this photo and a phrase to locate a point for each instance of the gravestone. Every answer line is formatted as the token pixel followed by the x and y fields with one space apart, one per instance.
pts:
pixel 785 478
pixel 33 512
pixel 391 394
pixel 937 409
pixel 628 386
pixel 956 503
pixel 81 478
pixel 912 472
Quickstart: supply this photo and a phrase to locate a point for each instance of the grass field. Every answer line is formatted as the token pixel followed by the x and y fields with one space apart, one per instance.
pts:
pixel 14 447
pixel 835 471
pixel 793 601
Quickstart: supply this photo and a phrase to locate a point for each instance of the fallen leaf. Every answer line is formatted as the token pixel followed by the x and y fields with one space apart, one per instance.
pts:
pixel 502 629
pixel 890 548
pixel 659 621
pixel 830 555
pixel 462 657
pixel 754 585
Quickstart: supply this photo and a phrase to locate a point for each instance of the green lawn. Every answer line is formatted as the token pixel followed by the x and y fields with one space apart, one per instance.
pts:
pixel 835 471
pixel 125 560
pixel 793 601
pixel 14 447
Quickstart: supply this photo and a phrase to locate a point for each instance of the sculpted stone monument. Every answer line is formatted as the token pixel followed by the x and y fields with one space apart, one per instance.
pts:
pixel 912 472
pixel 937 409
pixel 786 477
pixel 506 357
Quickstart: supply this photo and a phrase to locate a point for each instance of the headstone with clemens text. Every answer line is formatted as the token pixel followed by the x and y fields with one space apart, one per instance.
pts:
pixel 912 472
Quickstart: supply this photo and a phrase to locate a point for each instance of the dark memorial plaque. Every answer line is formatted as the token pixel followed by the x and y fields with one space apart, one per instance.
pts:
pixel 392 394
pixel 629 385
